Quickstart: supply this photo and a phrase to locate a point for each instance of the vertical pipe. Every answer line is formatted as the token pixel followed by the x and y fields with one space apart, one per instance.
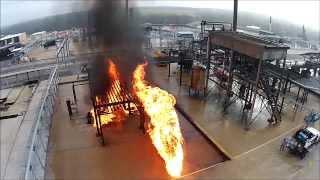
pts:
pixel 74 94
pixel 169 69
pixel 235 15
pixel 62 54
pixel 255 91
pixel 67 47
pixel 229 81
pixel 298 94
pixel 181 66
pixel 208 59
pixel 201 41
pixel 160 37
pixel 95 116
pixel 127 10
pixel 230 69
pixel 270 24
pixel 100 127
pixel 281 106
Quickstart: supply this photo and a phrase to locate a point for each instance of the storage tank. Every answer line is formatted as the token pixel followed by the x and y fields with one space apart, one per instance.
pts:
pixel 198 78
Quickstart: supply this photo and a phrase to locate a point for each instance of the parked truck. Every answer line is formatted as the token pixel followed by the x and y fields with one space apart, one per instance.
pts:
pixel 301 142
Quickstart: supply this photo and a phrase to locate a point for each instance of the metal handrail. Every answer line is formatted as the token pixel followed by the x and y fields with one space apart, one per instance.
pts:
pixel 53 82
pixel 45 113
pixel 61 46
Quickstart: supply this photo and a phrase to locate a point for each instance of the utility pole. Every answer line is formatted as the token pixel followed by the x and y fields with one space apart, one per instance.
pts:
pixel 235 15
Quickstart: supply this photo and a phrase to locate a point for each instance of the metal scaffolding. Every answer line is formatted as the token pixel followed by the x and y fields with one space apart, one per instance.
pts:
pixel 116 97
pixel 246 68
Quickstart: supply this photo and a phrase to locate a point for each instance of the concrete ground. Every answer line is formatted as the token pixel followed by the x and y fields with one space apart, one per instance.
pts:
pixel 39 53
pixel 75 151
pixel 17 100
pixel 266 162
pixel 207 113
pixel 15 132
pixel 78 48
pixel 254 153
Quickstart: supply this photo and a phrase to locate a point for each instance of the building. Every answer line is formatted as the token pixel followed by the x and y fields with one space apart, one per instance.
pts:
pixel 14 38
pixel 39 35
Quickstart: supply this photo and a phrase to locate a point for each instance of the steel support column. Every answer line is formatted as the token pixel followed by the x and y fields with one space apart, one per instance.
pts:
pixel 255 91
pixel 74 94
pixel 230 81
pixel 208 61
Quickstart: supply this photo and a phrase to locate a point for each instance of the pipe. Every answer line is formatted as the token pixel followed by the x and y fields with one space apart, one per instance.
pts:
pixel 74 94
pixel 235 15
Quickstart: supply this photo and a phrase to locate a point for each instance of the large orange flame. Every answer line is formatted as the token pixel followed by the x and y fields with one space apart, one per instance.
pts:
pixel 112 71
pixel 114 78
pixel 163 127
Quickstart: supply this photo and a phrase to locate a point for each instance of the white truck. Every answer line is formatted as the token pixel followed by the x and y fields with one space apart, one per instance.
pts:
pixel 301 142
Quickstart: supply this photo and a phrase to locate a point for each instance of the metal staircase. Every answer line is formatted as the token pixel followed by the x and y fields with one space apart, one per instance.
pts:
pixel 272 100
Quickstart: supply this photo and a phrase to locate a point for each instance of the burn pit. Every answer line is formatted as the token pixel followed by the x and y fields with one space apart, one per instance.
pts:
pixel 114 99
pixel 111 98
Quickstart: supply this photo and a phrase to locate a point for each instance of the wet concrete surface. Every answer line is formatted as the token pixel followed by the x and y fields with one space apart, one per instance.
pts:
pixel 4 93
pixel 17 101
pixel 75 151
pixel 15 132
pixel 255 153
pixel 8 130
pixel 38 53
pixel 76 154
pixel 226 129
pixel 267 162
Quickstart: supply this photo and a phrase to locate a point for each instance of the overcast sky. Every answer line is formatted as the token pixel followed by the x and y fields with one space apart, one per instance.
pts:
pixel 296 11
pixel 16 11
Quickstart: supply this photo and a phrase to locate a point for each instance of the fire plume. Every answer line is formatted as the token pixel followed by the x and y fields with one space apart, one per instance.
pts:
pixel 163 126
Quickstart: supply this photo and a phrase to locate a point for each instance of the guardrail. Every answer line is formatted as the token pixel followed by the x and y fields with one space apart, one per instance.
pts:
pixel 31 45
pixel 36 163
pixel 63 50
pixel 21 77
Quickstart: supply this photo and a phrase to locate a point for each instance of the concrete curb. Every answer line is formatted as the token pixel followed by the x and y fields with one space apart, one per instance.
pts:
pixel 72 81
pixel 203 132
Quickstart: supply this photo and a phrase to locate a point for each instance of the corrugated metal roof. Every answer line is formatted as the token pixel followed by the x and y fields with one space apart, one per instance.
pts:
pixel 249 45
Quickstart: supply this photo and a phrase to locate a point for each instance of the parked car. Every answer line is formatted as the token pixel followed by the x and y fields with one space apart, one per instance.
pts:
pixel 6 51
pixel 49 43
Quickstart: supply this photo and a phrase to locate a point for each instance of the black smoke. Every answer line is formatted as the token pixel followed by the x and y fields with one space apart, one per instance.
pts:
pixel 113 30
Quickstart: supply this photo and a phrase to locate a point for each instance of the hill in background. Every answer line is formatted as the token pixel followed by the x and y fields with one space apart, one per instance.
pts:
pixel 165 15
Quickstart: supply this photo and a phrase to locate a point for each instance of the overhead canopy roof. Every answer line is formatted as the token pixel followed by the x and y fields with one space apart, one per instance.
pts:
pixel 249 45
pixel 303 51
